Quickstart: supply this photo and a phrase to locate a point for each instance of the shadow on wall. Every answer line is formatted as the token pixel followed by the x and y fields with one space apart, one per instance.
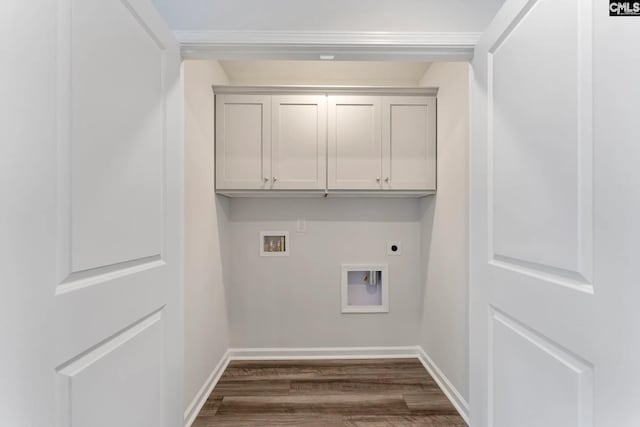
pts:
pixel 326 210
pixel 223 208
pixel 426 212
pixel 444 228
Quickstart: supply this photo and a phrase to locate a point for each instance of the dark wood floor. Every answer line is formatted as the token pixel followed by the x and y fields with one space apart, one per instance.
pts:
pixel 327 393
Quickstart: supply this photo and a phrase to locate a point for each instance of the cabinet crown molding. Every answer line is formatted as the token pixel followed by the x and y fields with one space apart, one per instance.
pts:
pixel 325 90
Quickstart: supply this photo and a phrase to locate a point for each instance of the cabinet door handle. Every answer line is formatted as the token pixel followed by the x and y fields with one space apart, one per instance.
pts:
pixel 378 179
pixel 266 178
pixel 387 179
pixel 275 179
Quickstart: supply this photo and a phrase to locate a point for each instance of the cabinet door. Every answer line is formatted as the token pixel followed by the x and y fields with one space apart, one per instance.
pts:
pixel 409 142
pixel 355 151
pixel 243 142
pixel 299 131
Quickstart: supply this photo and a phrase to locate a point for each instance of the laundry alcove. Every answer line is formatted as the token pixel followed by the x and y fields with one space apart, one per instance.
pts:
pixel 271 305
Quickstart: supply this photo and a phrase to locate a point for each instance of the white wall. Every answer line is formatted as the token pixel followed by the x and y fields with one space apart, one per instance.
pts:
pixel 205 326
pixel 295 301
pixel 329 15
pixel 350 73
pixel 444 325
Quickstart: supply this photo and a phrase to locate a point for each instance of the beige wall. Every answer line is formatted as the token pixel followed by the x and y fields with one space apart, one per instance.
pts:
pixel 205 323
pixel 444 327
pixel 348 73
pixel 294 301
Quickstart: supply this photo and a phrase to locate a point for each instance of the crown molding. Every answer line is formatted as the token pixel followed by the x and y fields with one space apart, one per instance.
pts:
pixel 325 90
pixel 427 46
pixel 326 38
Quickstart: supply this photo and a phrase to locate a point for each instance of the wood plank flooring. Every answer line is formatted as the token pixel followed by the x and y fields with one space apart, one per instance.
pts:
pixel 328 393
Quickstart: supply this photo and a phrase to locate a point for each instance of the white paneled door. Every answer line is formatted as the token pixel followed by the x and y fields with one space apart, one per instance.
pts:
pixel 555 202
pixel 91 187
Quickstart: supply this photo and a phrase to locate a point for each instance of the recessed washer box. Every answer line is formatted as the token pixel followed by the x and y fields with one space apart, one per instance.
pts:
pixel 365 288
pixel 274 243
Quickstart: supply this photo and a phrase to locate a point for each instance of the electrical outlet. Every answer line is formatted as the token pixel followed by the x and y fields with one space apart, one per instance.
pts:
pixel 301 226
pixel 394 248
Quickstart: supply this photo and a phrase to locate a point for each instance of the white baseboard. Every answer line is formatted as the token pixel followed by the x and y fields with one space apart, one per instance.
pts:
pixel 318 353
pixel 292 353
pixel 201 397
pixel 443 382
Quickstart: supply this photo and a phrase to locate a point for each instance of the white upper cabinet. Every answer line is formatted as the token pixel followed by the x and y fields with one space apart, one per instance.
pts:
pixel 355 148
pixel 299 142
pixel 409 142
pixel 382 143
pixel 342 141
pixel 243 142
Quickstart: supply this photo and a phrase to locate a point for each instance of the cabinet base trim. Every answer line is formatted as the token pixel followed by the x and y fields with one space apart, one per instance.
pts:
pixel 330 193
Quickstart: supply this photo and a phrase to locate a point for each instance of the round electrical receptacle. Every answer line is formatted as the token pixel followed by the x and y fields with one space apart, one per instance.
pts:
pixel 394 248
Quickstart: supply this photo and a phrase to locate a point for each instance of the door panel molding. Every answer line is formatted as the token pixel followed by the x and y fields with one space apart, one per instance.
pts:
pixel 94 276
pixel 575 256
pixel 558 276
pixel 80 362
pixel 93 359
pixel 71 270
pixel 132 9
pixel 578 372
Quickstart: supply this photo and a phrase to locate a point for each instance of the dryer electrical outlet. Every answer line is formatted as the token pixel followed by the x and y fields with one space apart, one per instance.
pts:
pixel 394 248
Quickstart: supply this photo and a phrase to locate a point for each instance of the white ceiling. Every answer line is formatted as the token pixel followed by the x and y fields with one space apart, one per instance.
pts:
pixel 329 15
pixel 350 73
